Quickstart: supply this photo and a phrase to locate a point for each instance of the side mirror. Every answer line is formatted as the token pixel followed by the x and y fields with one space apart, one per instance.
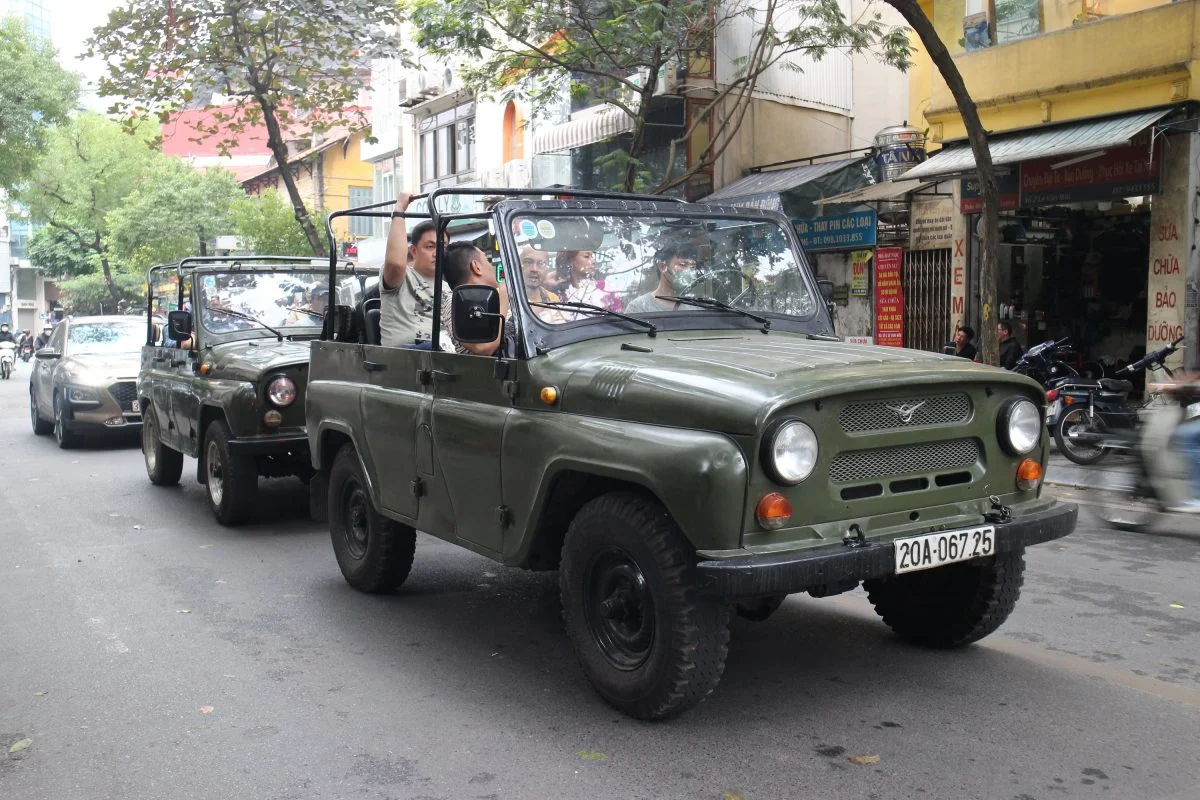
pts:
pixel 826 287
pixel 179 325
pixel 475 314
pixel 47 354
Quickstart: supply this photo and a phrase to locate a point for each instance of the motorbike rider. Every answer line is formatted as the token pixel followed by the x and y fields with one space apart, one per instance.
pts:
pixel 43 338
pixel 6 334
pixel 1187 439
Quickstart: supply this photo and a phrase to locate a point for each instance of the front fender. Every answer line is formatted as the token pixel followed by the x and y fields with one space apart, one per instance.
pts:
pixel 699 476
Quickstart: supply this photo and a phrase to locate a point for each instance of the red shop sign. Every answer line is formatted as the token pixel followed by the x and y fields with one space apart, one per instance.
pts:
pixel 1119 172
pixel 889 297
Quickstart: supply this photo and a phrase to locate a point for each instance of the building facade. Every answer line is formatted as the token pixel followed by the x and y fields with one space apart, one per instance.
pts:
pixel 1091 109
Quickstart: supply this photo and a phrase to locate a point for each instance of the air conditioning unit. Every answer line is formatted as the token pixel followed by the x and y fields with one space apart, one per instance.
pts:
pixel 517 174
pixel 492 177
pixel 429 85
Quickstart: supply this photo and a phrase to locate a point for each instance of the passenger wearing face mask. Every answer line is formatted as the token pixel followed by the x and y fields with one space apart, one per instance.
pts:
pixel 676 267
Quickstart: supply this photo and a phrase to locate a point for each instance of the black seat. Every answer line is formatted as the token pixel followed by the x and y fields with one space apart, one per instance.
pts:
pixel 372 315
pixel 1116 386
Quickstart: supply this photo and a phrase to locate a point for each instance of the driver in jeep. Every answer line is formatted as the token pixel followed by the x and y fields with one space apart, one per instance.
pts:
pixel 676 265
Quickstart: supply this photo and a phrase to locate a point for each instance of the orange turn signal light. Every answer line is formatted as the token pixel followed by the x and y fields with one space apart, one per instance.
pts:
pixel 1029 475
pixel 205 369
pixel 549 395
pixel 1068 400
pixel 773 511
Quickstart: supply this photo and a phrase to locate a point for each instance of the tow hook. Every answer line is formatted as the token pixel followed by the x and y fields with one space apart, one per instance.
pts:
pixel 855 537
pixel 999 513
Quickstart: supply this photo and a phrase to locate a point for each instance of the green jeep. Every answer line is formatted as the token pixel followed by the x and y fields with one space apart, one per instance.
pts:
pixel 676 430
pixel 223 381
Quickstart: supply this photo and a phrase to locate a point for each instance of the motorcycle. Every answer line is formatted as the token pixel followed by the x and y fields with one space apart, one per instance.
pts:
pixel 8 358
pixel 26 352
pixel 1161 477
pixel 1039 363
pixel 1085 410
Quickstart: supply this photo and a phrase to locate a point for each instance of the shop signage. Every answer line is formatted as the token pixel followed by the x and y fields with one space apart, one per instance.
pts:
pixel 1119 172
pixel 1008 192
pixel 25 305
pixel 860 268
pixel 859 340
pixel 932 223
pixel 889 297
pixel 837 232
pixel 771 201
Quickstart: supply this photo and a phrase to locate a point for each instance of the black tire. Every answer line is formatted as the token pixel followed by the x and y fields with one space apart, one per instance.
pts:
pixel 950 606
pixel 374 553
pixel 760 609
pixel 231 480
pixel 65 438
pixel 650 645
pixel 163 464
pixel 40 426
pixel 1080 453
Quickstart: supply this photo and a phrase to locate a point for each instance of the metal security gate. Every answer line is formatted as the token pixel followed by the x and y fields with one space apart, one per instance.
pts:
pixel 926 283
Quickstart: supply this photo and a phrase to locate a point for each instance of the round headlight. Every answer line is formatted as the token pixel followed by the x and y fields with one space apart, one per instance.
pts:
pixel 281 391
pixel 791 452
pixel 1020 427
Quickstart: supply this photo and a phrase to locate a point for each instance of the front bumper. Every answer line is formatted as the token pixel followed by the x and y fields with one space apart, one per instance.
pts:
pixel 786 573
pixel 283 444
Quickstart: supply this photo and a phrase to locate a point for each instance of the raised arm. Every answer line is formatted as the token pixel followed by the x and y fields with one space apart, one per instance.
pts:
pixel 395 259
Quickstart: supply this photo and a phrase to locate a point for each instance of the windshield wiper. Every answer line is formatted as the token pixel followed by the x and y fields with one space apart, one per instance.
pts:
pixel 240 315
pixel 317 314
pixel 708 302
pixel 651 328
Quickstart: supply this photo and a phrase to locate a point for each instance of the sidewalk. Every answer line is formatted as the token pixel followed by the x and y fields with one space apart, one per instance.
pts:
pixel 1061 472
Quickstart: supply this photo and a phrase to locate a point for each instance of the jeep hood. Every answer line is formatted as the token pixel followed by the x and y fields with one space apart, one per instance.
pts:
pixel 734 382
pixel 248 359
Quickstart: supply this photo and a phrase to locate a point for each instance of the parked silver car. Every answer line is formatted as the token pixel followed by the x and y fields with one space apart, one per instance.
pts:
pixel 85 380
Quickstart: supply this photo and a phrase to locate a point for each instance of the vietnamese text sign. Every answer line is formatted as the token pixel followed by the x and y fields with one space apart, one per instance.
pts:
pixel 837 232
pixel 860 265
pixel 1121 172
pixel 889 297
pixel 1008 192
pixel 932 223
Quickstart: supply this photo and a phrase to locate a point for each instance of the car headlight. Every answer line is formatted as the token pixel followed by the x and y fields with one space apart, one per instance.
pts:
pixel 1020 426
pixel 82 394
pixel 281 391
pixel 790 453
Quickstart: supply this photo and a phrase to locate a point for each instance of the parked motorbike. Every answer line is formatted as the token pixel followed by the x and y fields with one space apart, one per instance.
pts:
pixel 8 357
pixel 1161 477
pixel 1085 410
pixel 1040 362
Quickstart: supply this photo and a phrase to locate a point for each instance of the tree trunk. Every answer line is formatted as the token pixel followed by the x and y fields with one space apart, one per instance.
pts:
pixel 278 148
pixel 106 271
pixel 915 17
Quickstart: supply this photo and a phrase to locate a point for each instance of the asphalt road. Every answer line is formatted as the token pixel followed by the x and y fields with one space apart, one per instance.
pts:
pixel 146 652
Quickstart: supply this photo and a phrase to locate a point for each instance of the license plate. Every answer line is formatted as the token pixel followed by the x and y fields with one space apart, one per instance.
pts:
pixel 944 547
pixel 135 407
pixel 1055 407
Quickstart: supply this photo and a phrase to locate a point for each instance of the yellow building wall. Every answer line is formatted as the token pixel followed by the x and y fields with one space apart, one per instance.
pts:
pixel 341 168
pixel 1137 57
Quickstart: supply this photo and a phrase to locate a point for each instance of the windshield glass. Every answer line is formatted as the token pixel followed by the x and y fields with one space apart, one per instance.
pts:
pixel 119 336
pixel 278 299
pixel 626 264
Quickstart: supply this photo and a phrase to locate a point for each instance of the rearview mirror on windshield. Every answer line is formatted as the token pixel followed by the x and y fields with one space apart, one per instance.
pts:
pixel 475 314
pixel 179 324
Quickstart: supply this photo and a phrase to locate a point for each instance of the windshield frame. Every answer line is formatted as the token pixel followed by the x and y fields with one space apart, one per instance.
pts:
pixel 539 336
pixel 309 330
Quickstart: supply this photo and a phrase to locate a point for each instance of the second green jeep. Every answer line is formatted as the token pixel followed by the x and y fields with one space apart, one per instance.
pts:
pixel 675 429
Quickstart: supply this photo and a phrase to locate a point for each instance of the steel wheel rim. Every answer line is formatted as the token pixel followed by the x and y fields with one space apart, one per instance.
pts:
pixel 619 609
pixel 356 528
pixel 214 473
pixel 33 412
pixel 149 440
pixel 59 425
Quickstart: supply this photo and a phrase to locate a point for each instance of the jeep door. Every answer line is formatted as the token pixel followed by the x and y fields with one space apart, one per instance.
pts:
pixel 470 409
pixel 155 385
pixel 396 405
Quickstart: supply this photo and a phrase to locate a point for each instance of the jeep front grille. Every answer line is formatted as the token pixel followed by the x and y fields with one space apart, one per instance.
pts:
pixel 124 393
pixel 881 415
pixel 864 465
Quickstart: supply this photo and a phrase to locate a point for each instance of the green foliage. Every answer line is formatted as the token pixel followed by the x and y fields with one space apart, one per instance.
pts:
pixel 89 294
pixel 174 211
pixel 56 252
pixel 284 63
pixel 35 94
pixel 618 51
pixel 267 226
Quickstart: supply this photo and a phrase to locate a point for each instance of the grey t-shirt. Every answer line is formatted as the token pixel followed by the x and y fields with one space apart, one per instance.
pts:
pixel 406 312
pixel 645 304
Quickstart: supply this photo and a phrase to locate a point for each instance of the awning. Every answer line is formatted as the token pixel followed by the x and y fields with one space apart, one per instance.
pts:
pixel 878 192
pixel 762 189
pixel 1060 140
pixel 584 128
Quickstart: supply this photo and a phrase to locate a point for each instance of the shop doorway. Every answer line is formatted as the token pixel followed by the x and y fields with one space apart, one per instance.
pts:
pixel 926 282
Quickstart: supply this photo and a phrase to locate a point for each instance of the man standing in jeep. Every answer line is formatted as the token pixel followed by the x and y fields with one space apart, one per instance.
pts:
pixel 406 294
